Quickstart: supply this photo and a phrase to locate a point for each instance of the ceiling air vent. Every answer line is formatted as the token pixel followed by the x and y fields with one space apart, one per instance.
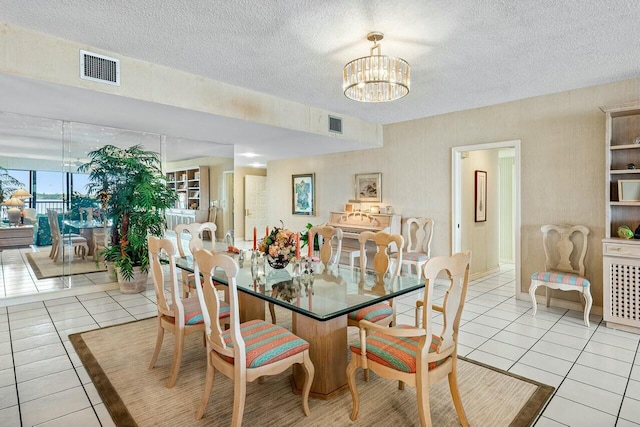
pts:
pixel 99 68
pixel 335 124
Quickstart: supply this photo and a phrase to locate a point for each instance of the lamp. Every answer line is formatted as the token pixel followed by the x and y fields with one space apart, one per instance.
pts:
pixel 21 194
pixel 13 213
pixel 376 78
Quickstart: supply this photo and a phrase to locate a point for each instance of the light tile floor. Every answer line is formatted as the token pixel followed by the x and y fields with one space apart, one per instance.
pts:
pixel 596 370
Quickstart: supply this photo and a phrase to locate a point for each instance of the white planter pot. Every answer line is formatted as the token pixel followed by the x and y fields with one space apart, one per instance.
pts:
pixel 135 285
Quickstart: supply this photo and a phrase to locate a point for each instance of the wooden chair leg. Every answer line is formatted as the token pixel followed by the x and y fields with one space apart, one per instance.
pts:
pixel 239 398
pixel 208 386
pixel 548 293
pixel 156 351
pixel 273 313
pixel 177 359
pixel 455 395
pixel 351 382
pixel 587 307
pixel 532 294
pixel 309 370
pixel 424 406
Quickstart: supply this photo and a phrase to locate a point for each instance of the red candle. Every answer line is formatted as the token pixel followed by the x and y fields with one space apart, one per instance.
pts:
pixel 267 235
pixel 309 244
pixel 298 245
pixel 254 238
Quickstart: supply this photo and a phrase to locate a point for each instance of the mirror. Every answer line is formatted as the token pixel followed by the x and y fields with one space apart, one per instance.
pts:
pixel 43 155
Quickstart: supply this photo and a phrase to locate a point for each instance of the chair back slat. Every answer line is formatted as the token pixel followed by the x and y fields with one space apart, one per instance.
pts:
pixel 381 259
pixel 328 234
pixel 419 235
pixel 206 263
pixel 195 231
pixel 456 268
pixel 159 250
pixel 565 247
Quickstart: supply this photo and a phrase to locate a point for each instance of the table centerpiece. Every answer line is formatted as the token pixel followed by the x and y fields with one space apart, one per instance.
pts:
pixel 279 246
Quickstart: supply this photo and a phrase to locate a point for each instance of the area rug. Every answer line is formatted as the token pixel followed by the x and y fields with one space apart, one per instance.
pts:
pixel 117 361
pixel 44 267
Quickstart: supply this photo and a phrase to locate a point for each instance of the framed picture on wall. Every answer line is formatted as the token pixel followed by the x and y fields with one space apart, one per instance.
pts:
pixel 369 187
pixel 303 194
pixel 481 196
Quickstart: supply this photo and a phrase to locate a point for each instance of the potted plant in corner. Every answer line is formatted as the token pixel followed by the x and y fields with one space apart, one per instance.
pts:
pixel 138 197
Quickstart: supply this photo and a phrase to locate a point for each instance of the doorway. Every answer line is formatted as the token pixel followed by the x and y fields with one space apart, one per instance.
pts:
pixel 467 229
pixel 226 203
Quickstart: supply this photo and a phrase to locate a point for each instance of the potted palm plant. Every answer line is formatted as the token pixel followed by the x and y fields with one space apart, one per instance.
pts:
pixel 8 184
pixel 134 193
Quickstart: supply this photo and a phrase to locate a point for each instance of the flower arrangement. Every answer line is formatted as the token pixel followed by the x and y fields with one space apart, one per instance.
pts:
pixel 279 242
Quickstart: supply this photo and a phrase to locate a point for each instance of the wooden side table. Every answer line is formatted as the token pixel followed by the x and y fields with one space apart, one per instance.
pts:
pixel 15 237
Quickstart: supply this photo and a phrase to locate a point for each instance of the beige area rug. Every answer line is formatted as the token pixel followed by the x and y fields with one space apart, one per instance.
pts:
pixel 117 360
pixel 44 267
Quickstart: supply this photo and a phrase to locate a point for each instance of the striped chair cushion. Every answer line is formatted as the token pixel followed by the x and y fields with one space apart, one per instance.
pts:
pixel 266 343
pixel 561 278
pixel 398 353
pixel 412 256
pixel 193 313
pixel 372 313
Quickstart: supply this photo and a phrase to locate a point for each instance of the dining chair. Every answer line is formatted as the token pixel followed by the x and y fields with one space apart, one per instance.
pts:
pixel 180 316
pixel 565 248
pixel 77 244
pixel 100 240
pixel 416 355
pixel 86 214
pixel 382 313
pixel 194 232
pixel 246 351
pixel 328 235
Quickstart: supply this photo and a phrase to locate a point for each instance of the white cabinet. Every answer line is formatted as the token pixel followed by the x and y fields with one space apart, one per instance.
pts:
pixel 621 257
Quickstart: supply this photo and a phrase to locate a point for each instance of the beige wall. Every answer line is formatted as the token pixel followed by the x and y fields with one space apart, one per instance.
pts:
pixel 480 237
pixel 562 169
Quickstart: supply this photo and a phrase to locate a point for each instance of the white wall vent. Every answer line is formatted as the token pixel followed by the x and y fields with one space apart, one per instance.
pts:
pixel 335 124
pixel 99 68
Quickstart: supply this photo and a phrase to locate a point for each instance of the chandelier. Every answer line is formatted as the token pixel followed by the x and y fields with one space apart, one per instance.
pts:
pixel 376 78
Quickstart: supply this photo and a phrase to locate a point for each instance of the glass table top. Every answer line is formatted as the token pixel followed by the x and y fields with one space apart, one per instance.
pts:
pixel 313 290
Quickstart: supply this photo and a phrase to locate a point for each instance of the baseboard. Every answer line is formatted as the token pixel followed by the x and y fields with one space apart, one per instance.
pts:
pixel 476 276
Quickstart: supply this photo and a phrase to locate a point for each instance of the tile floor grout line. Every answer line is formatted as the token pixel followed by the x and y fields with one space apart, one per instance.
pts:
pixel 624 394
pixel 15 374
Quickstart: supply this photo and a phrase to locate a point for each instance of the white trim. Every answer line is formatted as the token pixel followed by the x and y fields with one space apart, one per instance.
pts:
pixel 456 188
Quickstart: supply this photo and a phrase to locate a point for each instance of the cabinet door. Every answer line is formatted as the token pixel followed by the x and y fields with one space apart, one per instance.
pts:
pixel 621 290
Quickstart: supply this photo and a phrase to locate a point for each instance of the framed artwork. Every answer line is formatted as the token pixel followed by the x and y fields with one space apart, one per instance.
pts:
pixel 369 187
pixel 303 190
pixel 629 190
pixel 481 196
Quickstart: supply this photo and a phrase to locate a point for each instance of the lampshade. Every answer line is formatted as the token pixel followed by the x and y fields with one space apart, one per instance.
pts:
pixel 376 78
pixel 21 193
pixel 14 202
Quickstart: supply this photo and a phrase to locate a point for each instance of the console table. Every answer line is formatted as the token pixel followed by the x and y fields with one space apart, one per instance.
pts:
pixel 13 237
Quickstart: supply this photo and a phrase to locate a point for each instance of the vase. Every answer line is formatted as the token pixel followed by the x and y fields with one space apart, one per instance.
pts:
pixel 278 262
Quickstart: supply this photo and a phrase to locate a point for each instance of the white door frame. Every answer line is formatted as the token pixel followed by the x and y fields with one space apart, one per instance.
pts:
pixel 456 197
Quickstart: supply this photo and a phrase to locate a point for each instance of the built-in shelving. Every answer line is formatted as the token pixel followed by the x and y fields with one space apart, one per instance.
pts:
pixel 192 186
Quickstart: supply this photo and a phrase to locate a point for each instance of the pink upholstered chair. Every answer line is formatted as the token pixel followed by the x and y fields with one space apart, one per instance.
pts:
pixel 176 315
pixel 418 356
pixel 246 351
pixel 564 266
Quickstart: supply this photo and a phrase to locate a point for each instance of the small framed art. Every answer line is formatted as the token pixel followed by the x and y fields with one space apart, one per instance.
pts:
pixel 303 194
pixel 369 187
pixel 481 196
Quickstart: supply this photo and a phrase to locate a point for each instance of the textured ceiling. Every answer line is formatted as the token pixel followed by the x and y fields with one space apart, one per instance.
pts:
pixel 463 54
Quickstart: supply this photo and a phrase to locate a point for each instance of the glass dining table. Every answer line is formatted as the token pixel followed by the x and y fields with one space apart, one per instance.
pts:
pixel 87 230
pixel 320 299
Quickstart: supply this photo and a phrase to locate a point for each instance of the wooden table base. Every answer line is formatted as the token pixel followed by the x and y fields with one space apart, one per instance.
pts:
pixel 328 352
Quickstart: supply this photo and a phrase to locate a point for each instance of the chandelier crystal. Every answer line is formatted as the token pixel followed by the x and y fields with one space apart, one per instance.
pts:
pixel 376 78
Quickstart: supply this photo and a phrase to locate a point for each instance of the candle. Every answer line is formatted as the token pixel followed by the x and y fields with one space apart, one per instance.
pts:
pixel 298 245
pixel 267 235
pixel 309 244
pixel 254 238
